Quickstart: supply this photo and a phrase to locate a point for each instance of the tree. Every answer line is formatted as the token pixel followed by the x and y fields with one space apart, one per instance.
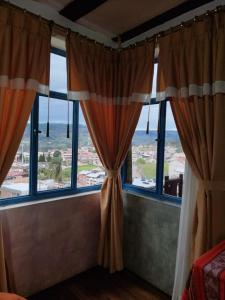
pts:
pixel 20 157
pixel 49 158
pixel 56 164
pixel 42 158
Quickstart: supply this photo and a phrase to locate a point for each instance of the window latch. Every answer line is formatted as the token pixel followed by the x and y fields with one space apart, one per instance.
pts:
pixel 37 131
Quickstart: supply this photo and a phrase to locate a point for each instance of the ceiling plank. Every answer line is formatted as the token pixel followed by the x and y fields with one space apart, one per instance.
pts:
pixel 160 19
pixel 79 8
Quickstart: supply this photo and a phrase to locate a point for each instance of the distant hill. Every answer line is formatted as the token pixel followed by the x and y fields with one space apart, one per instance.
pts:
pixel 141 138
pixel 58 139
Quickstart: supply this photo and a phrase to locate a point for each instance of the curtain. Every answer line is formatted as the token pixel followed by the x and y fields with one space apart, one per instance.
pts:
pixel 184 260
pixel 112 85
pixel 191 72
pixel 24 70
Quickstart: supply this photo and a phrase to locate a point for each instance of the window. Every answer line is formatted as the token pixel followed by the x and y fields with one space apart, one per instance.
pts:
pixel 55 151
pixel 174 158
pixel 65 162
pixel 155 162
pixel 90 171
pixel 144 149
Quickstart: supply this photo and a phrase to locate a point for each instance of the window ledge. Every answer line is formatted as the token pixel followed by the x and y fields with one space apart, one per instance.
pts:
pixel 34 202
pixel 169 200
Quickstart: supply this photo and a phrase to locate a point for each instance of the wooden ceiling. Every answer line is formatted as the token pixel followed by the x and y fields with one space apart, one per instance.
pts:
pixel 126 18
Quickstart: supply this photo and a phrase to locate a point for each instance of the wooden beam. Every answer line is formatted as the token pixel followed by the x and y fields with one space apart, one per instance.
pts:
pixel 160 19
pixel 79 8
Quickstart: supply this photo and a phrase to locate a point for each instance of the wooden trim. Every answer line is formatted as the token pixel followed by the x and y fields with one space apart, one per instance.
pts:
pixel 79 8
pixel 160 19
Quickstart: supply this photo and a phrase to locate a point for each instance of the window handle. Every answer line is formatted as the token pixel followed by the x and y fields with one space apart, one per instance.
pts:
pixel 37 131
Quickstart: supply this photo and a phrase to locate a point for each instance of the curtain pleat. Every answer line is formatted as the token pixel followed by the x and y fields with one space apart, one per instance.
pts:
pixel 190 72
pixel 111 86
pixel 15 108
pixel 201 123
pixel 111 128
pixel 25 43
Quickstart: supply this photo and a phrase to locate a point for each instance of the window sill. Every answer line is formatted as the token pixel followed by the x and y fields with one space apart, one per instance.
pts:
pixel 43 198
pixel 151 195
pixel 67 194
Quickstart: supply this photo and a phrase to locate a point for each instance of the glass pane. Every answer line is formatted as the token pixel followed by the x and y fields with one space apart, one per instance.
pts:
pixel 58 73
pixel 89 170
pixel 55 151
pixel 174 160
pixel 144 149
pixel 16 182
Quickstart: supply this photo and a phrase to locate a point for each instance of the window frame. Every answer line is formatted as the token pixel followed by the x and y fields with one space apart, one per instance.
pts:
pixel 34 194
pixel 157 191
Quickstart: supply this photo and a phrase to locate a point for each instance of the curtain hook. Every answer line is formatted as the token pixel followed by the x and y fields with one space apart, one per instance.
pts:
pixel 157 37
pixel 195 19
pixel 51 23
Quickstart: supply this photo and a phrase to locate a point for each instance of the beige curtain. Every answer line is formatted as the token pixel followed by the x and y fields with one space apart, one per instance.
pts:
pixel 111 86
pixel 24 70
pixel 191 71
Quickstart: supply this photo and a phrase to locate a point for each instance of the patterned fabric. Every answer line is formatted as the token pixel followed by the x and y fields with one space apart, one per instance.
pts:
pixel 207 277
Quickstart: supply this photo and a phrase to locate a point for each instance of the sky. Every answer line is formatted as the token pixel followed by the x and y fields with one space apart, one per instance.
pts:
pixel 59 108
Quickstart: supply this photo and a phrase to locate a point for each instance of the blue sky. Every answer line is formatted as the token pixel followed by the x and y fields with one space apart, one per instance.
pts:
pixel 58 108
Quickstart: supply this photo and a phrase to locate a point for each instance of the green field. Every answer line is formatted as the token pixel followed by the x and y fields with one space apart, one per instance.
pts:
pixel 86 168
pixel 67 172
pixel 148 170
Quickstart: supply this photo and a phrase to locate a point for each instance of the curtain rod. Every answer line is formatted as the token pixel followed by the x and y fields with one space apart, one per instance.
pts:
pixel 178 27
pixel 65 31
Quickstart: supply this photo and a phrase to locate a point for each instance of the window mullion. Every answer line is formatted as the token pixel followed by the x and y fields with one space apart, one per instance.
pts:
pixel 160 148
pixel 34 147
pixel 75 144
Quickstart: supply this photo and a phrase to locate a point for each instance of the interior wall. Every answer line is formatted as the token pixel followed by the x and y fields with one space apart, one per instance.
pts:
pixel 150 239
pixel 48 242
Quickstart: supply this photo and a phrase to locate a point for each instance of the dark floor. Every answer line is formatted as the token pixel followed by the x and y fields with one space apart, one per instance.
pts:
pixel 97 284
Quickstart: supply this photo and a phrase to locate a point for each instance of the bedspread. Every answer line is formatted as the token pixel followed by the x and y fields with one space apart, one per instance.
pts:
pixel 207 277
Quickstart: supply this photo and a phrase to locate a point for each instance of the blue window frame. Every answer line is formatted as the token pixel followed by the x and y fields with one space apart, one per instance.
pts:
pixel 159 190
pixel 34 193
